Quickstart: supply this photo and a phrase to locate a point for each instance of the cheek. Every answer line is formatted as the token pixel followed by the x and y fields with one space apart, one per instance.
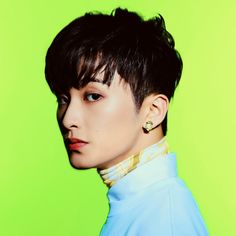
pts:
pixel 114 121
pixel 59 114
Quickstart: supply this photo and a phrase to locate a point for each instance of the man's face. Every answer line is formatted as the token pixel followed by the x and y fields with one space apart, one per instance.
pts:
pixel 105 118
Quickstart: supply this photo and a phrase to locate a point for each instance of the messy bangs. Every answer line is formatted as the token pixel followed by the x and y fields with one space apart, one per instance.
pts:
pixel 76 69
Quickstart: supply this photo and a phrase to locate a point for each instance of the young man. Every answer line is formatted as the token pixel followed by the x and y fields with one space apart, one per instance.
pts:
pixel 114 76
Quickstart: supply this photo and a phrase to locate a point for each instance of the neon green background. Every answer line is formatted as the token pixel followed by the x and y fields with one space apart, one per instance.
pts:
pixel 40 194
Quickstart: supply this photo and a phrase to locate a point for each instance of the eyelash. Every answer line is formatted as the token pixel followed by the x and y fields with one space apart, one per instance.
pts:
pixel 89 94
pixel 62 100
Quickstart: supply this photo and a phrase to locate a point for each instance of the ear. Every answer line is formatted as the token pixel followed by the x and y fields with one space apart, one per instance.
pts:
pixel 156 109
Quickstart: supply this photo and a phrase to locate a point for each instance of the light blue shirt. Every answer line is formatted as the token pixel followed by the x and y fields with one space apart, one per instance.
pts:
pixel 152 200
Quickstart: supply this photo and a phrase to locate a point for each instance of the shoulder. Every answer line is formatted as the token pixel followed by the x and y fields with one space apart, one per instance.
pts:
pixel 184 212
pixel 172 210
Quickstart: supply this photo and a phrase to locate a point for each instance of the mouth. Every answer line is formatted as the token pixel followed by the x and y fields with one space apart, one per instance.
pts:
pixel 74 144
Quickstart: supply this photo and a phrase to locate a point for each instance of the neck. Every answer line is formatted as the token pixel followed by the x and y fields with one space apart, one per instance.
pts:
pixel 111 175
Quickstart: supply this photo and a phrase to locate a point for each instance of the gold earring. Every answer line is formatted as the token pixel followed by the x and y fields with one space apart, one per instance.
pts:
pixel 148 126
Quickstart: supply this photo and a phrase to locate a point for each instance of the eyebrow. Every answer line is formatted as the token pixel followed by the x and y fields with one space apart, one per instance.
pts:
pixel 96 80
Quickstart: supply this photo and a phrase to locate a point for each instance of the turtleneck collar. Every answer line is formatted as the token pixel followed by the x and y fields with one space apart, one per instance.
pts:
pixel 143 180
pixel 113 174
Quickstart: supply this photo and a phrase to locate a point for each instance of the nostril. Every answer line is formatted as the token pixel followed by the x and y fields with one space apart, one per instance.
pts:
pixel 75 126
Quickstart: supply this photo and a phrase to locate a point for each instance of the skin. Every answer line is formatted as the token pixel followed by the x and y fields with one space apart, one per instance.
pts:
pixel 105 117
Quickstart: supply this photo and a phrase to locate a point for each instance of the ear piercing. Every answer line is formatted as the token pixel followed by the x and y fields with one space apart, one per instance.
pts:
pixel 148 125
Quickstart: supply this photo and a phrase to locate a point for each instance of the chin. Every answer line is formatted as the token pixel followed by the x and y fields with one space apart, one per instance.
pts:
pixel 79 167
pixel 77 163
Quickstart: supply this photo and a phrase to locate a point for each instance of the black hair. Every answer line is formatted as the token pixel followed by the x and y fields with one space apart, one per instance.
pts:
pixel 142 52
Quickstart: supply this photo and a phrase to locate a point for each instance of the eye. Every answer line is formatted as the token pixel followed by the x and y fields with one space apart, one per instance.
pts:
pixel 62 100
pixel 93 97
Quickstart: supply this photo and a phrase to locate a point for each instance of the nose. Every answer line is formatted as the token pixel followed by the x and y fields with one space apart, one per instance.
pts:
pixel 72 116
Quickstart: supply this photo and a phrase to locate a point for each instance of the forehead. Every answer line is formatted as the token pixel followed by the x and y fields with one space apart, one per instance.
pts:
pixel 117 83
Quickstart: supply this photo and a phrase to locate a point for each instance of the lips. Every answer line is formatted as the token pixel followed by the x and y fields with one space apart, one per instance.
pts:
pixel 75 144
